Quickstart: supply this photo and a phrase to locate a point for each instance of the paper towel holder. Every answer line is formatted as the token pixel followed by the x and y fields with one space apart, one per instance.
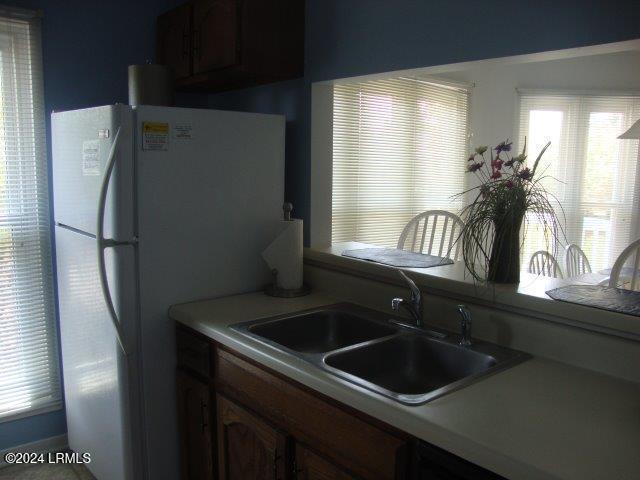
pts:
pixel 274 290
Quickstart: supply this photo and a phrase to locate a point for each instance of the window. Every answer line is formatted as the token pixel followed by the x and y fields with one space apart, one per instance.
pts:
pixel 595 173
pixel 29 376
pixel 399 148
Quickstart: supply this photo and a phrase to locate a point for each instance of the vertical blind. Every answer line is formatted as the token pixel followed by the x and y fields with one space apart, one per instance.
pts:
pixel 399 148
pixel 29 376
pixel 593 174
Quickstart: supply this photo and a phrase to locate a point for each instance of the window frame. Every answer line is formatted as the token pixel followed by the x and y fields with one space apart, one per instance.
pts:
pixel 31 50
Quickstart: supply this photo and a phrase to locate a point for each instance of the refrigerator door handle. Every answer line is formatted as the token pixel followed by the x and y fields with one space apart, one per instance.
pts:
pixel 104 243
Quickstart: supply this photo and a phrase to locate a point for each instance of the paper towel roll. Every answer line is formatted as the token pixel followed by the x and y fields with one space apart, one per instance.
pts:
pixel 285 254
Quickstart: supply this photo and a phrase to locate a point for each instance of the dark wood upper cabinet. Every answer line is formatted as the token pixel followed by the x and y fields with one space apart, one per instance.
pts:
pixel 215 35
pixel 248 447
pixel 173 42
pixel 233 43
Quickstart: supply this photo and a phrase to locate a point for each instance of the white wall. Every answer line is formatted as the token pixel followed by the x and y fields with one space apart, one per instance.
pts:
pixel 494 102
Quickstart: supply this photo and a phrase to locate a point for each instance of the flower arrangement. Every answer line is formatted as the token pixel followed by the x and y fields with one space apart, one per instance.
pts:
pixel 508 190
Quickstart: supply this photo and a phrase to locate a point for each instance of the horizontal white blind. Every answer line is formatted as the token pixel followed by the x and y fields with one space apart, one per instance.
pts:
pixel 29 376
pixel 399 148
pixel 592 172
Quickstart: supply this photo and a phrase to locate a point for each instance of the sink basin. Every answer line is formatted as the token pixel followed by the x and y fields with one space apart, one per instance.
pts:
pixel 321 331
pixel 410 365
pixel 368 348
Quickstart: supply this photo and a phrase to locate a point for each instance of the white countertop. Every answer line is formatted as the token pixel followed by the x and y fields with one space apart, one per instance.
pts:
pixel 538 420
pixel 453 280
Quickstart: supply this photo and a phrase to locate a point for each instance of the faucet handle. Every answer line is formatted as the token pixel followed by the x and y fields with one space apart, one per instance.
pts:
pixel 395 303
pixel 465 325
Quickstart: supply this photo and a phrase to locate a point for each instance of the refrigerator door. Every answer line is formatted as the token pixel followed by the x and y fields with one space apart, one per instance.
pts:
pixel 210 194
pixel 81 141
pixel 100 383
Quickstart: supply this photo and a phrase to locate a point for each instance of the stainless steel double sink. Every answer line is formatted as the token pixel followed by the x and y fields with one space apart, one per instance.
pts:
pixel 370 349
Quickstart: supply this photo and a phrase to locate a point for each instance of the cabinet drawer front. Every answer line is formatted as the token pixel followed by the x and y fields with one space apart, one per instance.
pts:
pixel 359 446
pixel 193 352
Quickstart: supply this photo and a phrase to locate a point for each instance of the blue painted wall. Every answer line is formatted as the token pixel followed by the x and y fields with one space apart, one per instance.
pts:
pixel 356 37
pixel 86 46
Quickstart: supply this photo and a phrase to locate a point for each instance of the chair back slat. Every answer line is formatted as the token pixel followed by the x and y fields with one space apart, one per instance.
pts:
pixel 415 235
pixel 424 233
pixel 439 234
pixel 634 276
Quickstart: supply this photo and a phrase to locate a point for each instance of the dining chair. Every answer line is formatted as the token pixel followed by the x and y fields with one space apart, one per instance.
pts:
pixel 576 261
pixel 630 280
pixel 434 232
pixel 543 263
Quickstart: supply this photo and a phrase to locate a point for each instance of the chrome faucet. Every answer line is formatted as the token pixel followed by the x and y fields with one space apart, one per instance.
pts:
pixel 413 305
pixel 465 325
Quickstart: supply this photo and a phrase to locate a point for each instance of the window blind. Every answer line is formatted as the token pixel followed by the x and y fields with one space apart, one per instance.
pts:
pixel 29 376
pixel 399 148
pixel 593 174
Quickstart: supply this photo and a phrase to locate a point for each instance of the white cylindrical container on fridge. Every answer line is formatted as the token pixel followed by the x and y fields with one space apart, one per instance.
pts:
pixel 150 84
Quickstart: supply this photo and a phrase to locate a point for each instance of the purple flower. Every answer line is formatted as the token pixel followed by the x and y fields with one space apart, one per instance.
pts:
pixel 471 157
pixel 503 147
pixel 525 174
pixel 509 184
pixel 496 175
pixel 474 166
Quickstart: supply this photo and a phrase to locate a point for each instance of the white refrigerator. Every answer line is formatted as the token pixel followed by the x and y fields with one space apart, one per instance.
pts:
pixel 153 206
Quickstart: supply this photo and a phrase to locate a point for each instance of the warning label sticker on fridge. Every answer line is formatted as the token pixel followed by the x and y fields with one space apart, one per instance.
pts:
pixel 91 157
pixel 183 131
pixel 155 136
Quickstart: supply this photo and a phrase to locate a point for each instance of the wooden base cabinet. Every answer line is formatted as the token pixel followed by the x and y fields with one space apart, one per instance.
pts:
pixel 196 445
pixel 248 448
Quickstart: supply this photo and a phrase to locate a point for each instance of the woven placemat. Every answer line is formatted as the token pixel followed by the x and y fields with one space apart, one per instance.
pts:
pixel 605 298
pixel 397 258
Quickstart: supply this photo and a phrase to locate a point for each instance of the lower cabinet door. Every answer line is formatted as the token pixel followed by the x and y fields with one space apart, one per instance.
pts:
pixel 309 466
pixel 248 447
pixel 196 445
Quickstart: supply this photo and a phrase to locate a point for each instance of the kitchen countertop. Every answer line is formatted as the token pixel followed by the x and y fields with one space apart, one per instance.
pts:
pixel 527 297
pixel 538 420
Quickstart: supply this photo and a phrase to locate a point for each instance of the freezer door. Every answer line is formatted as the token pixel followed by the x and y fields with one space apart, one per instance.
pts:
pixel 100 384
pixel 81 141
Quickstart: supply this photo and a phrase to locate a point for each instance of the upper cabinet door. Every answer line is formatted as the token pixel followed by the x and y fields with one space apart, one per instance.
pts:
pixel 248 448
pixel 215 35
pixel 174 40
